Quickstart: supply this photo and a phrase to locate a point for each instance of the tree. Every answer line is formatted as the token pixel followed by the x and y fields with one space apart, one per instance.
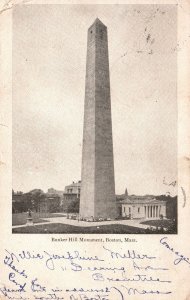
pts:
pixel 73 206
pixel 37 196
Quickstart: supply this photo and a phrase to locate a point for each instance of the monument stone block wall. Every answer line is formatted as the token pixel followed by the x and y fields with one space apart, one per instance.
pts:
pixel 98 186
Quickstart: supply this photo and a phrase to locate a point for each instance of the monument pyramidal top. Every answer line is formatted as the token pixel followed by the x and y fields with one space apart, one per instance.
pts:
pixel 97 22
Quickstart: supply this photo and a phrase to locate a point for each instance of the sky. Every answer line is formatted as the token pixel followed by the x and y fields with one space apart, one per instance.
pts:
pixel 49 61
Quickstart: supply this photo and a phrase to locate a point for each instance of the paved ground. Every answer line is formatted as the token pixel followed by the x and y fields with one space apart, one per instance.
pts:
pixel 64 220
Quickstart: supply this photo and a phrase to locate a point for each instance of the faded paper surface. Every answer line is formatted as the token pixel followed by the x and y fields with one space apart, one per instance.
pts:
pixel 43 57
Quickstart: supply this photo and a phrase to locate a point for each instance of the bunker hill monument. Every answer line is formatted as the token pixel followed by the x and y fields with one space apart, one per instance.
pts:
pixel 98 185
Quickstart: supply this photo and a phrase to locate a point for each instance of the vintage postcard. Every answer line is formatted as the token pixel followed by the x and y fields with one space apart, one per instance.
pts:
pixel 94 155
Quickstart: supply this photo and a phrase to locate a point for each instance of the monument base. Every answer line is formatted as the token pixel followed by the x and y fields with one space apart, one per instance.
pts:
pixel 29 222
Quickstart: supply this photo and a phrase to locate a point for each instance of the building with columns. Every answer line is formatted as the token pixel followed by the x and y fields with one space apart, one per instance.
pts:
pixel 143 207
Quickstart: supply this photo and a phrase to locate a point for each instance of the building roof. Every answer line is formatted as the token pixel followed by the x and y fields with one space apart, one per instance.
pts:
pixel 74 184
pixel 133 199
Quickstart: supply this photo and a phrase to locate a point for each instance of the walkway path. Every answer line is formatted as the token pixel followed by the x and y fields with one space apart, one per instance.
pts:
pixel 64 220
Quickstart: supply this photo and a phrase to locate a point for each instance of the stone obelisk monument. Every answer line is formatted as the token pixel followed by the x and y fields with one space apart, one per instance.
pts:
pixel 97 198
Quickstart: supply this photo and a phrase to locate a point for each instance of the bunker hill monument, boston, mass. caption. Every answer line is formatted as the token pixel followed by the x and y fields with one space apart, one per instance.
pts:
pixel 98 198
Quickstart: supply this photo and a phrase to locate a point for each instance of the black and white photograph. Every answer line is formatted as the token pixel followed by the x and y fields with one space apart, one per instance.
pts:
pixel 94 119
pixel 95 150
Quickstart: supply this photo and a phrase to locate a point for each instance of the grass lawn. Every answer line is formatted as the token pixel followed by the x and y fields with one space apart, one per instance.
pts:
pixel 64 228
pixel 169 225
pixel 20 218
pixel 158 223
